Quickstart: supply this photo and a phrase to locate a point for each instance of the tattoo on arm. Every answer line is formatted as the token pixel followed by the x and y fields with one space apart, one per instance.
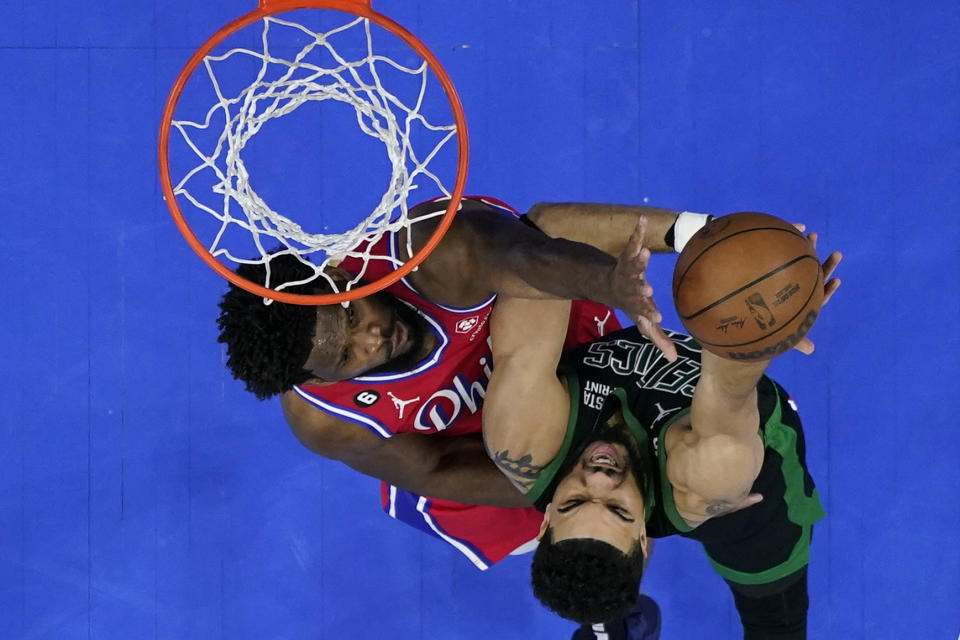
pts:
pixel 520 471
pixel 719 507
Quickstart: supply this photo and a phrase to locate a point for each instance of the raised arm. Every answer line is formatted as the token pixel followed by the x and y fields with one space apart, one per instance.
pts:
pixel 725 399
pixel 487 252
pixel 717 460
pixel 607 226
pixel 714 461
pixel 451 468
pixel 526 408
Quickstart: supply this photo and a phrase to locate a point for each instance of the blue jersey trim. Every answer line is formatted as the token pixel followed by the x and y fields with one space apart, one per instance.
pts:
pixel 431 360
pixel 497 205
pixel 414 511
pixel 480 306
pixel 342 412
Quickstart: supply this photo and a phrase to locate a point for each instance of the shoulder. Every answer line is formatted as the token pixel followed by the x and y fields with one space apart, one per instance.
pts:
pixel 469 220
pixel 324 433
pixel 712 475
pixel 458 271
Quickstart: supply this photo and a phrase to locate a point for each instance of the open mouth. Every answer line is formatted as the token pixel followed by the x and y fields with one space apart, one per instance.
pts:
pixel 604 455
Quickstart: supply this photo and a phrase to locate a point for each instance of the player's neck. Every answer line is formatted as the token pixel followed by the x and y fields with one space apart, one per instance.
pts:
pixel 430 342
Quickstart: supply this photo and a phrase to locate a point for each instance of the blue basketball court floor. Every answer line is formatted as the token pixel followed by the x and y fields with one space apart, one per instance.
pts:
pixel 144 494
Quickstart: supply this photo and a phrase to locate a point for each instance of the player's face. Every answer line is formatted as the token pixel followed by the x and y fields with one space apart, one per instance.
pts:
pixel 374 334
pixel 599 499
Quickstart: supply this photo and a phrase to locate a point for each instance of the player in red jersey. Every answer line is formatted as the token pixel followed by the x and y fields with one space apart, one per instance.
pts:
pixel 363 384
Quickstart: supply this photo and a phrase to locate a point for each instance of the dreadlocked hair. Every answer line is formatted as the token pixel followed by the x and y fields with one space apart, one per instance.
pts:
pixel 586 580
pixel 268 344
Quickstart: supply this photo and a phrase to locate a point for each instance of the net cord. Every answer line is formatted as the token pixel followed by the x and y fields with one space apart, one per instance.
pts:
pixel 245 114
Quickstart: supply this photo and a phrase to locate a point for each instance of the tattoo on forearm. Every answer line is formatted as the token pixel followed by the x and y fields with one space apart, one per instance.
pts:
pixel 718 508
pixel 520 470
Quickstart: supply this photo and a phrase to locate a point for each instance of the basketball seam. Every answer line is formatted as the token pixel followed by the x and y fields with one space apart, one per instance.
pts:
pixel 783 325
pixel 747 286
pixel 725 238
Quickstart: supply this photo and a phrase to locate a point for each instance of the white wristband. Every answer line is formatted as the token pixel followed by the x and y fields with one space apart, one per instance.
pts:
pixel 687 224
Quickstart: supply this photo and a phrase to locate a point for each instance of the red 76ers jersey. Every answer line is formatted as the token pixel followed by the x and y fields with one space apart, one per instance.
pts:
pixel 444 394
pixel 445 391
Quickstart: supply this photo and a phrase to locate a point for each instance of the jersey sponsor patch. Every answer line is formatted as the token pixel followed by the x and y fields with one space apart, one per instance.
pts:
pixel 595 394
pixel 467 324
pixel 366 398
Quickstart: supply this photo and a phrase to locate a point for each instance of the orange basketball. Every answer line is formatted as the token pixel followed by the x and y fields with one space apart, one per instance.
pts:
pixel 748 286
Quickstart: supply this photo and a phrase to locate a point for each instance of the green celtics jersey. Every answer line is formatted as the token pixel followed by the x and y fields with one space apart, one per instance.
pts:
pixel 624 371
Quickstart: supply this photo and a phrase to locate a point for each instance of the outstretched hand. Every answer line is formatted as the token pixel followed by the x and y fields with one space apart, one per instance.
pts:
pixel 830 286
pixel 634 294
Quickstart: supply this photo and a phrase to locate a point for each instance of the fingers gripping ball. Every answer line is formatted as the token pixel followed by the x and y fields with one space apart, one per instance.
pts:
pixel 748 286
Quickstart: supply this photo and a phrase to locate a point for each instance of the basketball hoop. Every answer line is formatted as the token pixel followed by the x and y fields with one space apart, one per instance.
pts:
pixel 301 79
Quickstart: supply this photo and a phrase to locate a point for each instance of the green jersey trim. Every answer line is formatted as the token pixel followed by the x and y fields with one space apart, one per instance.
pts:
pixel 650 498
pixel 799 558
pixel 546 476
pixel 666 489
pixel 782 438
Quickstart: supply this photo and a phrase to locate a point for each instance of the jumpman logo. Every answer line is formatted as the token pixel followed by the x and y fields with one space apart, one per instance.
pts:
pixel 401 404
pixel 663 412
pixel 601 323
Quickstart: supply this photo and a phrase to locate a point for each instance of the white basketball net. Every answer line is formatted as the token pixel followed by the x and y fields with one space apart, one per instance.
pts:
pixel 296 82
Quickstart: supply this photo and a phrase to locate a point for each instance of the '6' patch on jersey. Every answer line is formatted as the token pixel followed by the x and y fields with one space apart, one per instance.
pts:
pixel 366 398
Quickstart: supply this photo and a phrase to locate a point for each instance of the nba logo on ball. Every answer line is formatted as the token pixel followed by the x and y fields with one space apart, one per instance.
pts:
pixel 754 260
pixel 759 310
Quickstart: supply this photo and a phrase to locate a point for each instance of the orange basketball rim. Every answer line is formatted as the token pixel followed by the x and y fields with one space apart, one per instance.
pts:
pixel 359 8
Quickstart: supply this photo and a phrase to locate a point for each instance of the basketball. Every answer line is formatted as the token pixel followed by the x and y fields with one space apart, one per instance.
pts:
pixel 748 286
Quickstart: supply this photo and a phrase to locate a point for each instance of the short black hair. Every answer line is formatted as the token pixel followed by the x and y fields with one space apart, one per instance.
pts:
pixel 586 580
pixel 268 344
